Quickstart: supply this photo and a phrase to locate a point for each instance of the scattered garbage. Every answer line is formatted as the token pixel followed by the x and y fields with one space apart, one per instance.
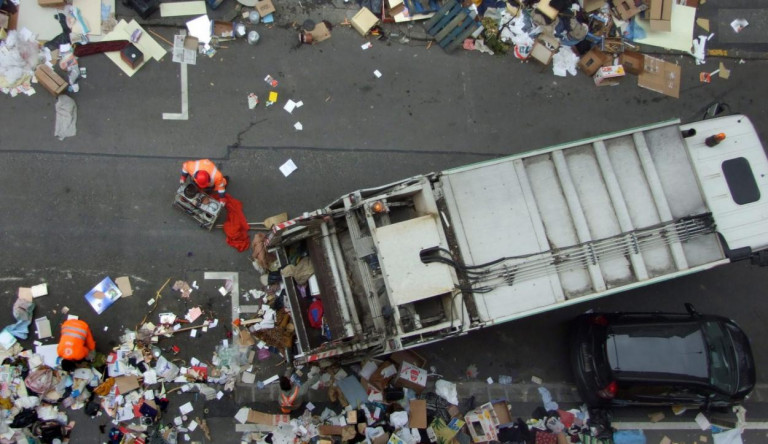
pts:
pixel 738 25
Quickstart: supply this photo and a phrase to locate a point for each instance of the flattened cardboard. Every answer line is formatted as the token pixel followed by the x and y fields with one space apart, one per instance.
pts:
pixel 52 3
pixel 327 430
pixel 320 33
pixel 124 284
pixel 256 417
pixel 660 76
pixel 417 416
pixel 126 384
pixel 265 7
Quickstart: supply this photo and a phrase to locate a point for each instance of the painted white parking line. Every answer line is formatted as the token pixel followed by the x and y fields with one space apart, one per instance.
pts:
pixel 687 425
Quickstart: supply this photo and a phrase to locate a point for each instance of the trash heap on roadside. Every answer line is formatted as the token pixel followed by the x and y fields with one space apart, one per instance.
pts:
pixel 132 385
pixel 397 401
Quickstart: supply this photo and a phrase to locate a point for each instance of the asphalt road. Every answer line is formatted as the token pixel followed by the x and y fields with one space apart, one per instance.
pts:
pixel 99 204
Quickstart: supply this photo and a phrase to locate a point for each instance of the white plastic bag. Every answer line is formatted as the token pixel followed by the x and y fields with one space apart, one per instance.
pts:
pixel 447 391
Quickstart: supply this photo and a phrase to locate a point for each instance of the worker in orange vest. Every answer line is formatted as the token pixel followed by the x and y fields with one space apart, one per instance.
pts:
pixel 291 396
pixel 205 175
pixel 76 342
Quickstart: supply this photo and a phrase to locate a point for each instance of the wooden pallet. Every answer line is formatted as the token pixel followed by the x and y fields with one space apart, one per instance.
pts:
pixel 451 25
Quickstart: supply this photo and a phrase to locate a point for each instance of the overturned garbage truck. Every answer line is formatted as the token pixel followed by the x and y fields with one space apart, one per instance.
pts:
pixel 442 254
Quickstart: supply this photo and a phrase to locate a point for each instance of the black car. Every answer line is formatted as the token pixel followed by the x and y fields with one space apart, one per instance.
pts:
pixel 661 359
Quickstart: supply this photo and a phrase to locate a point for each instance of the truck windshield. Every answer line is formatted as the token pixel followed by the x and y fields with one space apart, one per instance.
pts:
pixel 722 362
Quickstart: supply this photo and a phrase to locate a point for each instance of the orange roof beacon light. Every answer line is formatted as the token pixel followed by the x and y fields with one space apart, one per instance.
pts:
pixel 378 207
pixel 714 139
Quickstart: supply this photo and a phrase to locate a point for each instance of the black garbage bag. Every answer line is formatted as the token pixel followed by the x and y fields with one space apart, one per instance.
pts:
pixel 93 407
pixel 47 431
pixel 24 418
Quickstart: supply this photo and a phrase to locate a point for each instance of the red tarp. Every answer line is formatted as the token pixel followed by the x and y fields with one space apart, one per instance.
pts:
pixel 236 226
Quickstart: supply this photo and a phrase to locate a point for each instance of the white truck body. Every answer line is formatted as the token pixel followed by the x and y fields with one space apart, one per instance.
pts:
pixel 499 240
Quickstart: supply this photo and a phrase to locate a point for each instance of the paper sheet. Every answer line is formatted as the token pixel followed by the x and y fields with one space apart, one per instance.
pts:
pixel 38 19
pixel 186 408
pixel 177 9
pixel 288 167
pixel 681 36
pixel 90 10
pixel 49 354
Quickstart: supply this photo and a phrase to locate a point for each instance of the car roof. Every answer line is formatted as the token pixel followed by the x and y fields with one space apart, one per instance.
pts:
pixel 677 350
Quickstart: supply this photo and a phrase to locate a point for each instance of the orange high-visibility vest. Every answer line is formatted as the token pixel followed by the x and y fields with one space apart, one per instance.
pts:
pixel 191 167
pixel 287 401
pixel 76 340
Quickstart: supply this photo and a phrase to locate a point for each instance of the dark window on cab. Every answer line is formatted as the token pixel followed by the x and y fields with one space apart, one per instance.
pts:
pixel 741 181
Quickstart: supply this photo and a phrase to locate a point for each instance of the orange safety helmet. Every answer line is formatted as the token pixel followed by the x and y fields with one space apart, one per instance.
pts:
pixel 202 179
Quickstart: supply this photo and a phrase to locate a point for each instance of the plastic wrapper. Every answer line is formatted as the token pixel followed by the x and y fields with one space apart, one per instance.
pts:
pixel 40 380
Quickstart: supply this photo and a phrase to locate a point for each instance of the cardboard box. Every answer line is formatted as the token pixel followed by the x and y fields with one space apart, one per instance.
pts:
pixel 633 62
pixel 655 9
pixel 133 55
pixel 412 377
pixel 660 76
pixel 265 7
pixel 483 422
pixel 395 7
pixel 223 29
pixel 609 75
pixel 544 48
pixel 50 80
pixel 661 25
pixel 383 374
pixel 364 21
pixel 417 415
pixel 52 3
pixel 593 60
pixel 661 15
pixel 666 10
pixel 626 8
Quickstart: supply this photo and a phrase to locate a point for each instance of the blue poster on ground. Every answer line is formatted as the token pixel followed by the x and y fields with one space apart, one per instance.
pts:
pixel 104 294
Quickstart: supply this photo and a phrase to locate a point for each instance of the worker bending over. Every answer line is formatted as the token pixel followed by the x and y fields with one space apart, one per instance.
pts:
pixel 291 396
pixel 205 175
pixel 76 343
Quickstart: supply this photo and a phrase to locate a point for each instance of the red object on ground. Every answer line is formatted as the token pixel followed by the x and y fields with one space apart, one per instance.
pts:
pixel 236 226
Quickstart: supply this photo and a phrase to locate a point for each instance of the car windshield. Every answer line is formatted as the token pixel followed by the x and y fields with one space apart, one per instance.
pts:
pixel 673 349
pixel 723 372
